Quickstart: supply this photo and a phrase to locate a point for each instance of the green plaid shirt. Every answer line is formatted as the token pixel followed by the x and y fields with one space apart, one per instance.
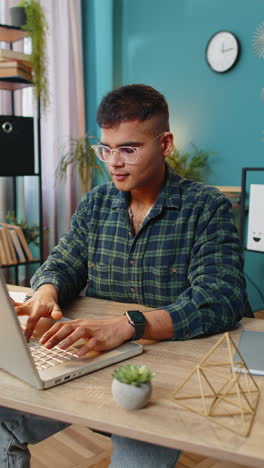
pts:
pixel 186 258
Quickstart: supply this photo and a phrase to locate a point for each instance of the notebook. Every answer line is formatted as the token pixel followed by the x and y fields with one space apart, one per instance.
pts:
pixel 17 359
pixel 251 348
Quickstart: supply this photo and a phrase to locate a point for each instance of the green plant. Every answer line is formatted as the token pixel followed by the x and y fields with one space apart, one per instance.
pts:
pixel 37 27
pixel 31 232
pixel 133 375
pixel 191 165
pixel 78 153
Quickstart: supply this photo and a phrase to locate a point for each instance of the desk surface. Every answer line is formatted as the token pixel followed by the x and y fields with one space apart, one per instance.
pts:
pixel 88 400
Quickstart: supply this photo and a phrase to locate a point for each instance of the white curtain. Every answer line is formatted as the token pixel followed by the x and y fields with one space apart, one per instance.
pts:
pixel 65 116
pixel 63 119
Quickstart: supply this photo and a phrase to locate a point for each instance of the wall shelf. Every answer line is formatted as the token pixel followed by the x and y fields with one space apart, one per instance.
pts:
pixel 11 84
pixel 9 34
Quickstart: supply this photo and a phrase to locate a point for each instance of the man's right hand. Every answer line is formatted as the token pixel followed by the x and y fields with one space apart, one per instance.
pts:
pixel 43 303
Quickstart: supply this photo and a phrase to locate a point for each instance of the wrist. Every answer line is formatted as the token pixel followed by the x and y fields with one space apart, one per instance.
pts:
pixel 48 289
pixel 127 329
pixel 159 325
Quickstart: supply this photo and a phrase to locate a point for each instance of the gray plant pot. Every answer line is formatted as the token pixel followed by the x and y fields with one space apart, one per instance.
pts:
pixel 18 16
pixel 129 396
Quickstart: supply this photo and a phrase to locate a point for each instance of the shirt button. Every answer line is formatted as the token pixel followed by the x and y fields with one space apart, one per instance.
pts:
pixel 132 290
pixel 187 334
pixel 130 233
pixel 174 270
pixel 132 262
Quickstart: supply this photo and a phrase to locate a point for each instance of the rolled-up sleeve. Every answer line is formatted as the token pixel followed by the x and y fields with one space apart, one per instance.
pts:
pixel 214 300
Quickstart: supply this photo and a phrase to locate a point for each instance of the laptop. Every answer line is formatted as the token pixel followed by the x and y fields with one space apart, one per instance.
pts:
pixel 251 348
pixel 44 368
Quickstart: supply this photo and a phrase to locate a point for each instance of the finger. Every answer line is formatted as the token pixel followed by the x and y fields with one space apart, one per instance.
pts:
pixel 91 345
pixel 32 320
pixel 42 326
pixel 21 309
pixel 50 333
pixel 15 303
pixel 56 338
pixel 30 325
pixel 76 335
pixel 56 313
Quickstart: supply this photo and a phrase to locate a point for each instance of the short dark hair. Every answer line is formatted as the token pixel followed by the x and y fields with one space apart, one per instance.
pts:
pixel 132 102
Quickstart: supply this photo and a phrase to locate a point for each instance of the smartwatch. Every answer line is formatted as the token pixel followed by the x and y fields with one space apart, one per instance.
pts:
pixel 138 321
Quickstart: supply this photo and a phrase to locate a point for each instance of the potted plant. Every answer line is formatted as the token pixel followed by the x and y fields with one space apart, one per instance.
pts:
pixel 79 154
pixel 191 165
pixel 131 386
pixel 36 26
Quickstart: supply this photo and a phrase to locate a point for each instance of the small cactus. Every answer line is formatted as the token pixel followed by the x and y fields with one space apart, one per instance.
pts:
pixel 133 375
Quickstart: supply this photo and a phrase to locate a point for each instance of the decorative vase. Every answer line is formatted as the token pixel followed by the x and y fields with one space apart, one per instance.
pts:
pixel 18 16
pixel 129 396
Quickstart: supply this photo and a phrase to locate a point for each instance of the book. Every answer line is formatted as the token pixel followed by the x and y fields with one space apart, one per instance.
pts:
pixel 7 234
pixel 23 242
pixel 19 252
pixel 26 66
pixel 5 246
pixel 15 250
pixel 9 251
pixel 15 73
pixel 9 54
pixel 3 259
pixel 251 348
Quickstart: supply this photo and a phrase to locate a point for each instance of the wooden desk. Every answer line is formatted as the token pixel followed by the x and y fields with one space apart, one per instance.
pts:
pixel 88 400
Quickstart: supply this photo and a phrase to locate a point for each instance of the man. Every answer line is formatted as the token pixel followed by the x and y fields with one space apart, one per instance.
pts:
pixel 148 237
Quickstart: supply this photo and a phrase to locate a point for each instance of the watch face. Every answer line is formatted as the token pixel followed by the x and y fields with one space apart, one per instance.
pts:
pixel 136 316
pixel 222 51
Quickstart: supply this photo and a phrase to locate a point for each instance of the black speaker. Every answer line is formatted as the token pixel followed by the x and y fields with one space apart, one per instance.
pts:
pixel 16 145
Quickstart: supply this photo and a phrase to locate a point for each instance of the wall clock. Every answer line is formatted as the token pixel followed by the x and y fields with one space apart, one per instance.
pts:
pixel 222 51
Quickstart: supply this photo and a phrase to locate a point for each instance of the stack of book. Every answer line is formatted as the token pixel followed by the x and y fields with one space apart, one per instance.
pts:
pixel 15 66
pixel 14 248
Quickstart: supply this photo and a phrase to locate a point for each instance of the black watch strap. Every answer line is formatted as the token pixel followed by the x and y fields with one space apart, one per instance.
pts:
pixel 139 332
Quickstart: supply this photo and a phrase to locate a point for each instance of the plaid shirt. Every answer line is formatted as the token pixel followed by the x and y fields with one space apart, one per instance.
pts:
pixel 186 258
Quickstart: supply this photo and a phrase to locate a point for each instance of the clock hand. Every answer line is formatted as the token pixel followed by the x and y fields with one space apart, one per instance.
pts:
pixel 227 50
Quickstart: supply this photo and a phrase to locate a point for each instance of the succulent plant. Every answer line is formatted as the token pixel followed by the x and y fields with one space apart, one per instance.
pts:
pixel 133 375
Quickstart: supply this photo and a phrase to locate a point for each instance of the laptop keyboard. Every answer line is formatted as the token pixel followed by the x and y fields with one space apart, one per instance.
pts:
pixel 45 358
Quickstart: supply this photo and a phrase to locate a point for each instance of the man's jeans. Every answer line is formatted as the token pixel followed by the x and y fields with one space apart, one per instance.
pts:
pixel 17 430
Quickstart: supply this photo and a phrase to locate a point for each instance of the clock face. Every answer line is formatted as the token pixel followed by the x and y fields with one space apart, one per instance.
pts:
pixel 222 51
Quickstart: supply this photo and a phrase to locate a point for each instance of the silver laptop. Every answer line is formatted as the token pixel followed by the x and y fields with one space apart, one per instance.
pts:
pixel 44 368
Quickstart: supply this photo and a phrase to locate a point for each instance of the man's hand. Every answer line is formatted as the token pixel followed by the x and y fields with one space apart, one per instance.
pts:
pixel 100 335
pixel 43 303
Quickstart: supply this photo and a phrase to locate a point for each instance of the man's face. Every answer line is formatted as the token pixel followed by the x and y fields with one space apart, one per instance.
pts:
pixel 149 169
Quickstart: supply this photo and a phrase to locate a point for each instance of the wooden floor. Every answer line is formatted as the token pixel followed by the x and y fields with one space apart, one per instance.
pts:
pixel 78 447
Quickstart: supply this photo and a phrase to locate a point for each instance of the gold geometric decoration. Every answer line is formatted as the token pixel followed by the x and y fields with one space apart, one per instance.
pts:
pixel 258 40
pixel 221 388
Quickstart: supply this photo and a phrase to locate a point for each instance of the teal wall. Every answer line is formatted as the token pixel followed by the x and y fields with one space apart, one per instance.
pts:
pixel 162 43
pixel 98 45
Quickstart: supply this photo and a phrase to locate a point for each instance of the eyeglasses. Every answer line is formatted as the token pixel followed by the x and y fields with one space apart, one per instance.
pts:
pixel 127 154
